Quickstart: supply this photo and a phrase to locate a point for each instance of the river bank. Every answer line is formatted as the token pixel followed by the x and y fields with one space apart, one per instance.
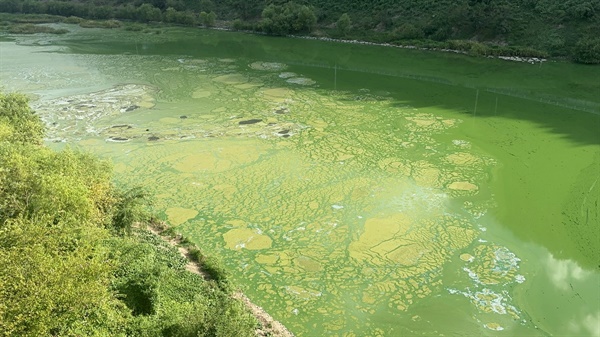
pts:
pixel 269 327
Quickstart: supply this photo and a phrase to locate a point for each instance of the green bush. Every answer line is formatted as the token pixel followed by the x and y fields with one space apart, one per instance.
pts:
pixel 34 29
pixel 290 18
pixel 208 19
pixel 73 20
pixel 343 24
pixel 130 209
pixel 587 51
pixel 147 13
pixel 134 27
pixel 100 24
pixel 408 31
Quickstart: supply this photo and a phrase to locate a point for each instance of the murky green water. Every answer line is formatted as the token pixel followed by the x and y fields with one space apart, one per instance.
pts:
pixel 350 190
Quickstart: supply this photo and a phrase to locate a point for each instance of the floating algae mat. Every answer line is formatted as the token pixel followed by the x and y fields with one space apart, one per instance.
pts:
pixel 342 212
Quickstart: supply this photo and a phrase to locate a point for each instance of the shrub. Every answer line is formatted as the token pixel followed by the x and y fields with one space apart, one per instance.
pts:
pixel 290 18
pixel 73 20
pixel 587 51
pixel 129 209
pixel 100 24
pixel 408 31
pixel 14 111
pixel 208 19
pixel 343 24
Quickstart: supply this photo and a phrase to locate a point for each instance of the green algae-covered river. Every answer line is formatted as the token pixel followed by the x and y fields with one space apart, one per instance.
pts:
pixel 351 190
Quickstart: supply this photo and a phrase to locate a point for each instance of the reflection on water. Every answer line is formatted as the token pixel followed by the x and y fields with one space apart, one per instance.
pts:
pixel 342 213
pixel 563 272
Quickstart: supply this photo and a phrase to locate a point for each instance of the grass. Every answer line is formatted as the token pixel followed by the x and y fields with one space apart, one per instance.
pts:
pixel 73 20
pixel 33 29
pixel 212 266
pixel 135 27
pixel 30 18
pixel 100 24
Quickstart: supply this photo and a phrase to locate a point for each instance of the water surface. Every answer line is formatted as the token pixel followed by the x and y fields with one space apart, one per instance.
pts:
pixel 352 190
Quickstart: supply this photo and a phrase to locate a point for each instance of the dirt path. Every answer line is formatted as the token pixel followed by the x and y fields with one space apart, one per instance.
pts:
pixel 268 326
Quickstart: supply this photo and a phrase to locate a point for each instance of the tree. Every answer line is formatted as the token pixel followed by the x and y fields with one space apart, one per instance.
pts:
pixel 408 31
pixel 171 15
pixel 207 6
pixel 55 284
pixel 147 13
pixel 286 19
pixel 208 19
pixel 10 6
pixel 25 126
pixel 343 24
pixel 587 50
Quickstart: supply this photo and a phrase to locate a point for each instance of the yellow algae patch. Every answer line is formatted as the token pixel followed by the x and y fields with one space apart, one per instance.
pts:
pixel 367 298
pixel 146 102
pixel 360 192
pixel 121 168
pixel 494 326
pixel 378 236
pixel 494 265
pixel 201 93
pixel 272 66
pixel 462 186
pixel 313 205
pixel 170 120
pixel 307 263
pixel 467 257
pixel 407 255
pixel 231 79
pixel 394 165
pixel 463 158
pixel 318 124
pixel 423 122
pixel 200 162
pixel 248 238
pixel 302 292
pixel 248 85
pixel 449 122
pixel 266 259
pixel 427 177
pixel 334 324
pixel 218 159
pixel 227 190
pixel 178 215
pixel 345 156
pixel 277 94
pixel 239 154
pixel 90 142
pixel 236 223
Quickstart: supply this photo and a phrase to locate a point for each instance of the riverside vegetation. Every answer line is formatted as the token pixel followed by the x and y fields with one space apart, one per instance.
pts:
pixel 72 262
pixel 565 29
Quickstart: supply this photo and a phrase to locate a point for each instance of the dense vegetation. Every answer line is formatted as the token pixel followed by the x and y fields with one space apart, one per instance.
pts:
pixel 483 27
pixel 71 261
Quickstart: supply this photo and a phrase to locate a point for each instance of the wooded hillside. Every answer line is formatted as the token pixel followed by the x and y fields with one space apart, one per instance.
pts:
pixel 558 28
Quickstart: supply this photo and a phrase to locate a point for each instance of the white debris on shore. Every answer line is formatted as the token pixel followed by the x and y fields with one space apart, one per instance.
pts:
pixel 532 60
